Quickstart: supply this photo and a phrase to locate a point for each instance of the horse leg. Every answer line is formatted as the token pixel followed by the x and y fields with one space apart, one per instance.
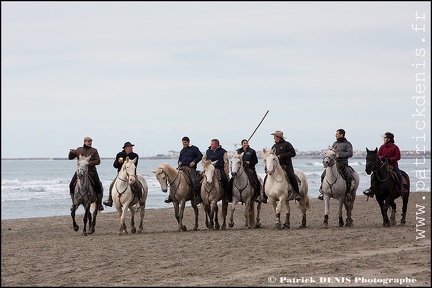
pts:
pixel 287 215
pixel 393 214
pixel 177 216
pixel 215 211
pixel 74 224
pixel 224 212
pixel 258 220
pixel 132 220
pixel 231 218
pixel 277 208
pixel 247 215
pixel 86 213
pixel 93 222
pixel 180 216
pixel 287 221
pixel 326 210
pixel 123 219
pixel 404 207
pixel 348 208
pixel 384 207
pixel 341 222
pixel 141 211
pixel 195 208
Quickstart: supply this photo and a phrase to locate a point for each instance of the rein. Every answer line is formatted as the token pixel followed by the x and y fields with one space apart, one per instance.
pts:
pixel 273 170
pixel 375 164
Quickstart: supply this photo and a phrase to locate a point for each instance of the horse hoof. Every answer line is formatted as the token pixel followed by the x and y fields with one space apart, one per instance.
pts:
pixel 184 228
pixel 76 228
pixel 133 230
pixel 278 226
pixel 286 226
pixel 231 225
pixel 258 225
pixel 325 225
pixel 302 226
pixel 139 231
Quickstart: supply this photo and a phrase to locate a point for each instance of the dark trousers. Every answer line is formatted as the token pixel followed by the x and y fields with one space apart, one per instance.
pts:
pixel 292 178
pixel 399 175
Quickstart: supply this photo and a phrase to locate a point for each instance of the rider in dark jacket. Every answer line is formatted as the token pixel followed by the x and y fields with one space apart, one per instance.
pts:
pixel 284 151
pixel 250 159
pixel 189 156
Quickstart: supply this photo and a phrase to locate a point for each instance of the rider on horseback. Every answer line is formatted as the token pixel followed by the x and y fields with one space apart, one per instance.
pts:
pixel 118 163
pixel 284 151
pixel 344 150
pixel 250 159
pixel 190 156
pixel 390 151
pixel 87 150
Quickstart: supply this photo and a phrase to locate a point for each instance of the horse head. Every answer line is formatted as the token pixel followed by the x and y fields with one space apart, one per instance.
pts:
pixel 236 164
pixel 329 157
pixel 372 161
pixel 271 161
pixel 162 177
pixel 130 169
pixel 82 165
pixel 209 170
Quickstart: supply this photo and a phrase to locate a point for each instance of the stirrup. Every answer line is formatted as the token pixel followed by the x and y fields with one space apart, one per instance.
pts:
pixel 108 203
pixel 262 199
pixel 368 193
pixel 321 197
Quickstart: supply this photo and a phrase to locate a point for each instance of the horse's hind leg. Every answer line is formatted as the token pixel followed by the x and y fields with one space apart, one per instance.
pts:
pixel 393 214
pixel 214 214
pixel 141 226
pixel 231 218
pixel 93 222
pixel 74 224
pixel 224 212
pixel 132 221
pixel 287 223
pixel 258 220
pixel 404 207
pixel 341 222
pixel 348 208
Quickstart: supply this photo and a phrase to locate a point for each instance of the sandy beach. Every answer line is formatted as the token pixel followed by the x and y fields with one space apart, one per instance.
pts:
pixel 47 252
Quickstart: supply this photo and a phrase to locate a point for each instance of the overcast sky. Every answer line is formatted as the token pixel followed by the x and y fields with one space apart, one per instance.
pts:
pixel 153 72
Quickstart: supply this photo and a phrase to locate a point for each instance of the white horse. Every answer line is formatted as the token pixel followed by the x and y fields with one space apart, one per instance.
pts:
pixel 181 191
pixel 211 192
pixel 334 186
pixel 279 191
pixel 124 198
pixel 243 191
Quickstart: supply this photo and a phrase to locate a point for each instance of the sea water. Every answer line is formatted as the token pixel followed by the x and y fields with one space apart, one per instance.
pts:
pixel 40 188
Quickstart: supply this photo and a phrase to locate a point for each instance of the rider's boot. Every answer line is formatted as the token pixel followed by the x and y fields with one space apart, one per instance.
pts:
pixel 297 196
pixel 321 196
pixel 109 202
pixel 99 202
pixel 168 200
pixel 197 196
pixel 368 192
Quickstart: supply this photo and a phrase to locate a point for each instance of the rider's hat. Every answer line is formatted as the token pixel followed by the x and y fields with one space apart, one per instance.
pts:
pixel 127 144
pixel 278 134
pixel 87 139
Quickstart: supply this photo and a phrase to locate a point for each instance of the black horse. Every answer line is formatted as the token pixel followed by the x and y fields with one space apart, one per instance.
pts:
pixel 385 185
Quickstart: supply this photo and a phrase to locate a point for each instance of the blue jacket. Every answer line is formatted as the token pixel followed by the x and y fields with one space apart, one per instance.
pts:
pixel 190 154
pixel 217 155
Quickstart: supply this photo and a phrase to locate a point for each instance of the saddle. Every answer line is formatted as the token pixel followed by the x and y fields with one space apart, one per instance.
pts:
pixel 137 188
pixel 341 171
pixel 198 178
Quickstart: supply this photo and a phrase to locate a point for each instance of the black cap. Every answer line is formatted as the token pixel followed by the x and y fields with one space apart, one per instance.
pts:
pixel 128 144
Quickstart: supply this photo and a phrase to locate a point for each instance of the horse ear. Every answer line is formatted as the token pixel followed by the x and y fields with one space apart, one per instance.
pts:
pixel 376 150
pixel 214 162
pixel 273 150
pixel 153 171
pixel 204 158
pixel 367 150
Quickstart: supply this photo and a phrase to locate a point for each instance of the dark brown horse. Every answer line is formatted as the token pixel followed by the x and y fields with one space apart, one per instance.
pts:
pixel 385 185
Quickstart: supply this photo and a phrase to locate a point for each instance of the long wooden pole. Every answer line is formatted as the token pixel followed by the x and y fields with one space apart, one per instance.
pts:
pixel 258 125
